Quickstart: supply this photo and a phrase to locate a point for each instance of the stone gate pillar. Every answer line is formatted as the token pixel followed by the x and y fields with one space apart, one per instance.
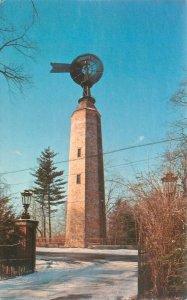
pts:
pixel 28 242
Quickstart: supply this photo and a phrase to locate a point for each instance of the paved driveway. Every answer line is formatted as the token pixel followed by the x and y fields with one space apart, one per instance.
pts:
pixel 107 275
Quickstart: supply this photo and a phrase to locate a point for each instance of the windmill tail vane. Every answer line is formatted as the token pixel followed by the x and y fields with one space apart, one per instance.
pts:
pixel 60 68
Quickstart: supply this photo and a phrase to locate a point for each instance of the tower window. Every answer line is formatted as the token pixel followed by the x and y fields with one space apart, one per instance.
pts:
pixel 78 179
pixel 79 152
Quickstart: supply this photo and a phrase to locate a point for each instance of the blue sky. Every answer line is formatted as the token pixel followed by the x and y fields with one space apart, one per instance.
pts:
pixel 142 46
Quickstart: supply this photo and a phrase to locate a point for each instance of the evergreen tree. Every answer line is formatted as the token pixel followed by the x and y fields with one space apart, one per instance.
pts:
pixel 49 187
pixel 7 222
pixel 10 234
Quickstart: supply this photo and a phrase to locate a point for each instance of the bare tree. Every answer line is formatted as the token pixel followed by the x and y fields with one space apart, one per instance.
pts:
pixel 121 224
pixel 180 97
pixel 161 224
pixel 179 157
pixel 119 212
pixel 114 190
pixel 15 41
pixel 160 220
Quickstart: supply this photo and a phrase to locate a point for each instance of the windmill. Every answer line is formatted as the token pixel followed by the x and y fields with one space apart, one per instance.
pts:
pixel 85 70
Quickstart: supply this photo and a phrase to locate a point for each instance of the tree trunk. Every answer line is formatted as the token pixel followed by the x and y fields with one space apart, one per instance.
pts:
pixel 43 221
pixel 44 224
pixel 49 216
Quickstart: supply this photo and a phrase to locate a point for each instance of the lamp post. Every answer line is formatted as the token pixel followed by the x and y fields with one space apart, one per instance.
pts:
pixel 26 201
pixel 169 184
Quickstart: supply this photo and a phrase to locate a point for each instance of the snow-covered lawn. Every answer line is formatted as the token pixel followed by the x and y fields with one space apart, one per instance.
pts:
pixel 92 279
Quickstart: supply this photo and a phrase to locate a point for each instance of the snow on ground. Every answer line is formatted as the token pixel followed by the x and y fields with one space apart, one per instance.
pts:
pixel 95 279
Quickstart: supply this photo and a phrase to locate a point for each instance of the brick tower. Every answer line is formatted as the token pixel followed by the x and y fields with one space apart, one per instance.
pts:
pixel 85 218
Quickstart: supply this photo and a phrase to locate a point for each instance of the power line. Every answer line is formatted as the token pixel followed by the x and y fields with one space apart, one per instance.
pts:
pixel 142 145
pixel 104 153
pixel 109 167
pixel 18 183
pixel 122 149
pixel 17 171
pixel 106 168
pixel 135 161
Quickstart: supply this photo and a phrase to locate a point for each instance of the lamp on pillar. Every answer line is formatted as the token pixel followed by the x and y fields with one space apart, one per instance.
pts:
pixel 169 184
pixel 26 201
